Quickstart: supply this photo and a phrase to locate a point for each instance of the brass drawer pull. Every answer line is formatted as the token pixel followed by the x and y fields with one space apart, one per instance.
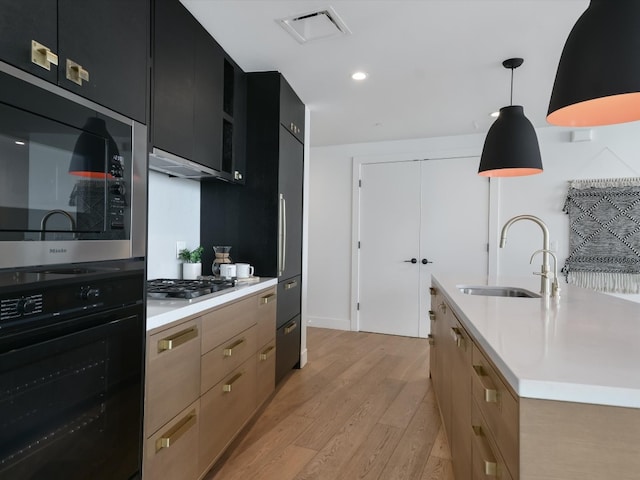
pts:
pixel 490 394
pixel 43 56
pixel 290 328
pixel 178 430
pixel 431 339
pixel 177 339
pixel 488 460
pixel 227 386
pixel 290 285
pixel 229 350
pixel 76 73
pixel 267 299
pixel 432 290
pixel 456 334
pixel 267 352
pixel 432 315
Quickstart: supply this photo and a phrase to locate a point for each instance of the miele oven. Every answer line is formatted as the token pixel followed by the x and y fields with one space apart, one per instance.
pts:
pixel 72 177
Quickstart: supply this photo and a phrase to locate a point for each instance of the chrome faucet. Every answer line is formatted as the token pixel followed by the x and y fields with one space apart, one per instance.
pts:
pixel 545 273
pixel 555 287
pixel 43 222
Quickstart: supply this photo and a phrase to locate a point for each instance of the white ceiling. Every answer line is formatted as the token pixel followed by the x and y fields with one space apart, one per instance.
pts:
pixel 435 66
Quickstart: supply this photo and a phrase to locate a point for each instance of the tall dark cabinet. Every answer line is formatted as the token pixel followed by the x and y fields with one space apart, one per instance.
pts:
pixel 263 219
pixel 275 155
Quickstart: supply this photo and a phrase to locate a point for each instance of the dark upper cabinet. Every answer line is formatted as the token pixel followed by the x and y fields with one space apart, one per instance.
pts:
pixel 21 23
pixel 108 39
pixel 198 94
pixel 208 99
pixel 173 78
pixel 107 58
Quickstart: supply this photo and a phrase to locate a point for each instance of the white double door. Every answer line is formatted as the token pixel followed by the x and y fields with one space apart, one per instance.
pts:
pixel 416 218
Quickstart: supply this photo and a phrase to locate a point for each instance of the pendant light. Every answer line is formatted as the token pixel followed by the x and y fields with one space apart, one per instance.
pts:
pixel 598 77
pixel 511 147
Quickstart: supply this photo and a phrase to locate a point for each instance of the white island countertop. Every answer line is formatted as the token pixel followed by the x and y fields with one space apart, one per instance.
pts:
pixel 163 312
pixel 584 349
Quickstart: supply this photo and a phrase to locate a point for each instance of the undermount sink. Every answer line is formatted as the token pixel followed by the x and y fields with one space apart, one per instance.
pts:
pixel 495 291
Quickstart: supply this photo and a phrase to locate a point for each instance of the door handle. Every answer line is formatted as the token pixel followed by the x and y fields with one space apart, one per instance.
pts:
pixel 413 260
pixel 282 240
pixel 425 261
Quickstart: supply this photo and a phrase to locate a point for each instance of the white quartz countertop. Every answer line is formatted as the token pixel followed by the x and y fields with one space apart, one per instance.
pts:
pixel 585 349
pixel 164 312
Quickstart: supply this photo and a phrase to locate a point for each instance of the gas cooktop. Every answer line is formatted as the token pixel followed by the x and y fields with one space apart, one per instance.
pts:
pixel 174 288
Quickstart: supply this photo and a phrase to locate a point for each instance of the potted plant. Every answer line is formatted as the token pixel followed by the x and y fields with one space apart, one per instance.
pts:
pixel 192 266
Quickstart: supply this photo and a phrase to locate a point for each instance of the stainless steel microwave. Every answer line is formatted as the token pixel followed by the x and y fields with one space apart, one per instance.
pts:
pixel 73 177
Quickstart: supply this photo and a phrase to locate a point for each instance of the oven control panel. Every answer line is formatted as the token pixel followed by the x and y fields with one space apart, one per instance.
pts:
pixel 11 308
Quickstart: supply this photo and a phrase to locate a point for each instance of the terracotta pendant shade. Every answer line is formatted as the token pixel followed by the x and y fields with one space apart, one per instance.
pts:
pixel 511 146
pixel 598 77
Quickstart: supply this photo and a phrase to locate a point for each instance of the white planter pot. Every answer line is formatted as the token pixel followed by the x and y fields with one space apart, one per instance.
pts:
pixel 191 271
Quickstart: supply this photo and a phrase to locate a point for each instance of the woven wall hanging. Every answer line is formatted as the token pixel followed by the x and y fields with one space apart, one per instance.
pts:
pixel 604 234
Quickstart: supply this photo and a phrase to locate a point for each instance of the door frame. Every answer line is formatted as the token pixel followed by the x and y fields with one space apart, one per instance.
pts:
pixel 451 154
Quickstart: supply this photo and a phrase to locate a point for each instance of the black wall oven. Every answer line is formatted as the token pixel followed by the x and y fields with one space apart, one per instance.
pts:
pixel 71 369
pixel 73 196
pixel 72 177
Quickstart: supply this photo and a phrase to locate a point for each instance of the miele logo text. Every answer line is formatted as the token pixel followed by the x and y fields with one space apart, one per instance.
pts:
pixel 57 250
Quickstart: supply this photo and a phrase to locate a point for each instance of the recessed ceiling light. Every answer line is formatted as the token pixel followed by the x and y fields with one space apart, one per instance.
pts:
pixel 359 76
pixel 494 114
pixel 19 142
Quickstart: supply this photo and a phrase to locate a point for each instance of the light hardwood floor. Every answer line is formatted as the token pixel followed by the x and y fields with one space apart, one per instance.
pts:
pixel 362 408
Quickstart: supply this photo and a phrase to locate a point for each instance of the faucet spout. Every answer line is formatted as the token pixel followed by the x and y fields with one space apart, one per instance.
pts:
pixel 555 286
pixel 49 214
pixel 545 273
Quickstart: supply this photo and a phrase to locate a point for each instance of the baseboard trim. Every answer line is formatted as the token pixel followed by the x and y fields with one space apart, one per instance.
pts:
pixel 324 322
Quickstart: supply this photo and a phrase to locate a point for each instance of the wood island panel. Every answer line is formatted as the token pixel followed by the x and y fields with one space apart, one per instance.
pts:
pixel 578 441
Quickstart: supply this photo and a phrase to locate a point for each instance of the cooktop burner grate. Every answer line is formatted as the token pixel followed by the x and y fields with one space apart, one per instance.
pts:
pixel 175 288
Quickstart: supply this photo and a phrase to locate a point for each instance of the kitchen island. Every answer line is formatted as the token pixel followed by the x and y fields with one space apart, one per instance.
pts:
pixel 536 389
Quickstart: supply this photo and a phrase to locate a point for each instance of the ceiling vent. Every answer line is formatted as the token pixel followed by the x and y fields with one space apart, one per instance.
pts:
pixel 315 25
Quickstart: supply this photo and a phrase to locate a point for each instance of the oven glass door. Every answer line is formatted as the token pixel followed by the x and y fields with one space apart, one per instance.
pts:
pixel 60 182
pixel 70 404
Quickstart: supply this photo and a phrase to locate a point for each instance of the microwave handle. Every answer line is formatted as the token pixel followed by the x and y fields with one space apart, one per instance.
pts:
pixel 282 234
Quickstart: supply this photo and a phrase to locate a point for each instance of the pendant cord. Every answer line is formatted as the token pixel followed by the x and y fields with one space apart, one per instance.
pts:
pixel 511 99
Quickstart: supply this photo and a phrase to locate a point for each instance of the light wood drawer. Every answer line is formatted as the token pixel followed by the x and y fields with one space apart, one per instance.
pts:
pixel 224 409
pixel 226 357
pixel 173 373
pixel 228 321
pixel 498 407
pixel 266 315
pixel 169 453
pixel 266 381
pixel 486 461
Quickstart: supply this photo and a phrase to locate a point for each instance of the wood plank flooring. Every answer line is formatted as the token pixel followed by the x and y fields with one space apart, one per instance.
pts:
pixel 362 408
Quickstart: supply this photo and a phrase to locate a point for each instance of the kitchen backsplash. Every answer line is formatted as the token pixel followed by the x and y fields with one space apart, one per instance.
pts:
pixel 174 215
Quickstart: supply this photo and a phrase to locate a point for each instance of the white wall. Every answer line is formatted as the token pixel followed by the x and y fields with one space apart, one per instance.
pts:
pixel 612 153
pixel 174 214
